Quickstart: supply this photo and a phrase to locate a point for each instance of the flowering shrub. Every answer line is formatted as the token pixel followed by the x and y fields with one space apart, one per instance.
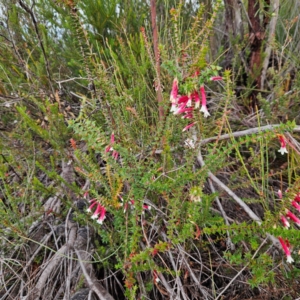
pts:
pixel 186 105
pixel 133 166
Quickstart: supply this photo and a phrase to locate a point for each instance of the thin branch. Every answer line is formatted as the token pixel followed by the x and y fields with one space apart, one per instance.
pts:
pixel 271 37
pixel 54 262
pixel 244 132
pixel 237 199
pixel 92 282
pixel 241 271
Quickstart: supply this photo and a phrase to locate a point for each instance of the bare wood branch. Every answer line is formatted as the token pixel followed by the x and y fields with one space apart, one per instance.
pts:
pixel 244 132
pixel 246 208
pixel 54 263
pixel 93 285
pixel 237 199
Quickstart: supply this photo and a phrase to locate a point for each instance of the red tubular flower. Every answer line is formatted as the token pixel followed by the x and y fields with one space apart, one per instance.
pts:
pixel 102 215
pixel 109 148
pixel 282 149
pixel 97 211
pixel 112 141
pixel 188 116
pixel 174 91
pixel 155 276
pixel 180 109
pixel 216 78
pixel 296 205
pixel 93 203
pixel 146 207
pixel 183 99
pixel 285 222
pixel 189 102
pixel 291 216
pixel 183 109
pixel 115 154
pixel 279 194
pixel 286 249
pixel 188 126
pixel 297 198
pixel 203 104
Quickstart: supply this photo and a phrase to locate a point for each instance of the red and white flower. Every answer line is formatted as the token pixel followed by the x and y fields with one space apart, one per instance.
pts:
pixel 291 216
pixel 174 91
pixel 286 249
pixel 93 203
pixel 297 198
pixel 296 205
pixel 196 97
pixel 188 126
pixel 102 216
pixel 203 103
pixel 282 149
pixel 285 222
pixel 155 276
pixel 99 212
pixel 112 141
pixel 109 148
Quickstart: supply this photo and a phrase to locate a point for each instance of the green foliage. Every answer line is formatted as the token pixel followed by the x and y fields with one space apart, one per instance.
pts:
pixel 84 73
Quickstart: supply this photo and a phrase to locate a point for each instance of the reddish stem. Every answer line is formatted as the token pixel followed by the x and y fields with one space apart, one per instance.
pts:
pixel 157 59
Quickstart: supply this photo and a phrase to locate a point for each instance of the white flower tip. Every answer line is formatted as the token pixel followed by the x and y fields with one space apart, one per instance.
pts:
pixel 173 108
pixel 94 217
pixel 289 259
pixel 157 279
pixel 88 210
pixel 205 111
pixel 282 150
